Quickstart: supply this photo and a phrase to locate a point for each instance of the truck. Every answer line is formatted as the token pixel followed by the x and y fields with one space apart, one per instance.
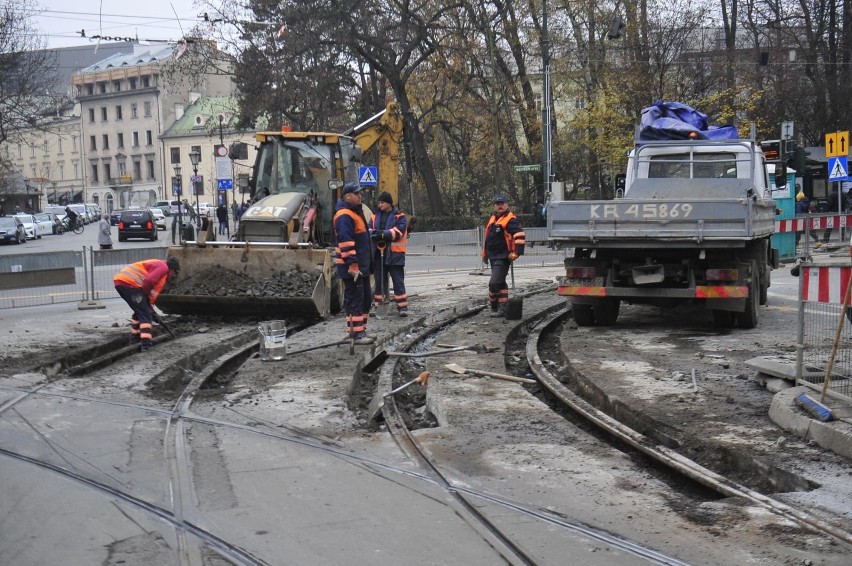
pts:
pixel 692 224
pixel 287 231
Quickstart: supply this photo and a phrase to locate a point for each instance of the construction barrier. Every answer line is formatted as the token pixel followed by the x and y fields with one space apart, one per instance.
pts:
pixel 817 222
pixel 822 286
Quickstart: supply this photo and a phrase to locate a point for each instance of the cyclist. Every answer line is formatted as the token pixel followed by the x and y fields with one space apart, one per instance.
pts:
pixel 71 217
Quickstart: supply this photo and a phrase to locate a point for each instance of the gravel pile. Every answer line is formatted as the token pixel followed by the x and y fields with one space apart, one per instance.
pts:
pixel 224 282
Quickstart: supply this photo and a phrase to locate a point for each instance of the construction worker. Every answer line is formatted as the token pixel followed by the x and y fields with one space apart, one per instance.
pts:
pixel 139 284
pixel 352 256
pixel 504 243
pixel 389 233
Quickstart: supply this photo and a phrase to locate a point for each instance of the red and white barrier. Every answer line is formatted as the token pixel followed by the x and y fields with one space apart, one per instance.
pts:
pixel 817 223
pixel 825 284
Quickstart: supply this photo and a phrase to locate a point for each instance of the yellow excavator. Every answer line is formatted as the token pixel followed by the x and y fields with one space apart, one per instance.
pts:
pixel 286 232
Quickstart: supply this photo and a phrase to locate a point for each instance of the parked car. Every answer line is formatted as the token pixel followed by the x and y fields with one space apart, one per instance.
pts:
pixel 137 224
pixel 32 228
pixel 12 230
pixel 43 224
pixel 59 211
pixel 168 207
pixel 115 217
pixel 159 218
pixel 80 210
pixel 52 218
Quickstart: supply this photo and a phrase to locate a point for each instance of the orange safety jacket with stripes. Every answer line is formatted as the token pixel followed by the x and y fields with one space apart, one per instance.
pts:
pixel 353 241
pixel 503 234
pixel 149 275
pixel 394 225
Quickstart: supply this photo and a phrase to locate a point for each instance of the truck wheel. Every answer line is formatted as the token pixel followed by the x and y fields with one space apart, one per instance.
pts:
pixel 748 318
pixel 764 287
pixel 723 319
pixel 606 312
pixel 583 315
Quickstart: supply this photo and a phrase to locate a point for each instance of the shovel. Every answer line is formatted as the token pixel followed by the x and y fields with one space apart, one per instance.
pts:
pixel 455 368
pixel 159 320
pixel 515 306
pixel 382 286
pixel 376 361
pixel 379 400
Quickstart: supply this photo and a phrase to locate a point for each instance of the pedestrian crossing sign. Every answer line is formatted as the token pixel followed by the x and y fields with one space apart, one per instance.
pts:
pixel 838 168
pixel 367 176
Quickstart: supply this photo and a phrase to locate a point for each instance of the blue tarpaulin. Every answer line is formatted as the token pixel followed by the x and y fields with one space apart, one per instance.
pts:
pixel 676 121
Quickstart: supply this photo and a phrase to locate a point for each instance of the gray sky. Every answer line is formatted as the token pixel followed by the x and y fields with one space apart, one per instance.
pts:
pixel 61 20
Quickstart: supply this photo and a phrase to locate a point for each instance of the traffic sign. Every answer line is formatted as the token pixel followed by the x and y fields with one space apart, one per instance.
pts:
pixel 225 184
pixel 528 168
pixel 838 168
pixel 368 176
pixel 787 130
pixel 843 143
pixel 837 144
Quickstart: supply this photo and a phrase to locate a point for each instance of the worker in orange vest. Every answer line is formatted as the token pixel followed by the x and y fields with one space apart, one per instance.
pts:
pixel 139 284
pixel 504 243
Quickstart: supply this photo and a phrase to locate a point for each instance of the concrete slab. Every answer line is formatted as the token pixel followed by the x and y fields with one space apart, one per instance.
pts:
pixel 835 435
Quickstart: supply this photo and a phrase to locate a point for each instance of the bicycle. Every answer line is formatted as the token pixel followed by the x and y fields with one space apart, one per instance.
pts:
pixel 78 229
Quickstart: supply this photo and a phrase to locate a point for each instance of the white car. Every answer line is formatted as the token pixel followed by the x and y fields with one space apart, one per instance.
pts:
pixel 44 224
pixel 34 229
pixel 159 218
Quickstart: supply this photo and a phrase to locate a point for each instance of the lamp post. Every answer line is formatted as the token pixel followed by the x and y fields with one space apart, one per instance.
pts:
pixel 195 157
pixel 177 190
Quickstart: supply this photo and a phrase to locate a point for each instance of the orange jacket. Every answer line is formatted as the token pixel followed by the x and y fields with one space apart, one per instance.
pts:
pixel 149 275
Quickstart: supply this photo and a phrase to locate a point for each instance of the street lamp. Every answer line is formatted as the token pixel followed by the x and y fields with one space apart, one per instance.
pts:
pixel 177 190
pixel 195 157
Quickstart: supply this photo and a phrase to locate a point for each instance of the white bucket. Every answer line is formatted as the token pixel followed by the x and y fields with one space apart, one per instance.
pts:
pixel 273 340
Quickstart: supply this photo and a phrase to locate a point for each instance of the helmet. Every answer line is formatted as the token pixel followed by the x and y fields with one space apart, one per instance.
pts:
pixel 174 264
pixel 799 196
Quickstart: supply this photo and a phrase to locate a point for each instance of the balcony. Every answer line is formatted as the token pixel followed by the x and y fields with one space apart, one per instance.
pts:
pixel 120 182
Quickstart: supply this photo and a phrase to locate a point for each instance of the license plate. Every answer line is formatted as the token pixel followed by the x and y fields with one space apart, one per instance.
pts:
pixel 571 282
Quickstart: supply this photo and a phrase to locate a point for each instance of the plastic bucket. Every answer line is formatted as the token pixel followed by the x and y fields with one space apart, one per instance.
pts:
pixel 273 340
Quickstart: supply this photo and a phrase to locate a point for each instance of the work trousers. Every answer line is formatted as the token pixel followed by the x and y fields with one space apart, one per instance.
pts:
pixel 498 290
pixel 356 304
pixel 141 321
pixel 396 273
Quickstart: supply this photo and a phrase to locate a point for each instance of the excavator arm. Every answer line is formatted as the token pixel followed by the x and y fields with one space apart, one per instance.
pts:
pixel 383 131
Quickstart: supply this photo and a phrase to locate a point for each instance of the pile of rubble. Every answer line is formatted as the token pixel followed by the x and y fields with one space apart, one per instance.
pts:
pixel 228 283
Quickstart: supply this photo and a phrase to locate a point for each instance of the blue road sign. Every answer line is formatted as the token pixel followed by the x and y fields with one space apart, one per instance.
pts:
pixel 225 184
pixel 838 168
pixel 368 176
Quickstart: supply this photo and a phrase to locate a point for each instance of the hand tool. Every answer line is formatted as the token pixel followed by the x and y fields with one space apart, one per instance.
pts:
pixel 379 400
pixel 459 369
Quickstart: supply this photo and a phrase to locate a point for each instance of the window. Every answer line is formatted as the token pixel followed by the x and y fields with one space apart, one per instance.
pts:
pixel 61 171
pixel 106 141
pixel 103 114
pixel 120 140
pixel 149 138
pixel 134 111
pixel 137 170
pixel 59 143
pixel 118 114
pixel 32 152
pixel 94 172
pixel 45 147
pixel 175 154
pixel 102 88
pixel 116 86
pixel 132 81
pixel 93 145
pixel 695 166
pixel 135 139
pixel 150 168
pixel 197 148
pixel 91 114
pixel 74 144
pixel 146 81
pixel 107 172
pixel 90 89
pixel 76 169
pixel 147 109
pixel 20 151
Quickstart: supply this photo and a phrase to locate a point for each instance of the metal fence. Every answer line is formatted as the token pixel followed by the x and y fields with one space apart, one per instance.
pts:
pixel 86 275
pixel 821 290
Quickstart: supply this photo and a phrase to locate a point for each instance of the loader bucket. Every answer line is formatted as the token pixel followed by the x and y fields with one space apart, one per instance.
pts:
pixel 252 280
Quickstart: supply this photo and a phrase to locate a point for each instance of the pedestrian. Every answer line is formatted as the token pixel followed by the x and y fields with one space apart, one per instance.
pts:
pixel 18 209
pixel 352 253
pixel 105 233
pixel 222 216
pixel 190 211
pixel 139 284
pixel 539 214
pixel 234 208
pixel 389 233
pixel 803 207
pixel 504 242
pixel 836 205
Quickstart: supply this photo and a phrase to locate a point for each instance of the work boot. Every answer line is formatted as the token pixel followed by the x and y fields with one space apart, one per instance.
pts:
pixel 362 339
pixel 403 312
pixel 145 345
pixel 134 340
pixel 500 312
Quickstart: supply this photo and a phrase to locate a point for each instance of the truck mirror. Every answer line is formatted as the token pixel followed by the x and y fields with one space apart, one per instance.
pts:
pixel 335 184
pixel 357 152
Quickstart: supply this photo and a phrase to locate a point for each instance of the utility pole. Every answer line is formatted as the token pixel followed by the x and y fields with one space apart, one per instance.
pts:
pixel 545 105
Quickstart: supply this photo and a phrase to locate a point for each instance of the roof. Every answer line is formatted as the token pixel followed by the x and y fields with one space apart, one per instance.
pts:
pixel 202 117
pixel 139 55
pixel 70 60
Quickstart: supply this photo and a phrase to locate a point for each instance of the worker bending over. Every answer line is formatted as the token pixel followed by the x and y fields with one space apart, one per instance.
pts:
pixel 139 284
